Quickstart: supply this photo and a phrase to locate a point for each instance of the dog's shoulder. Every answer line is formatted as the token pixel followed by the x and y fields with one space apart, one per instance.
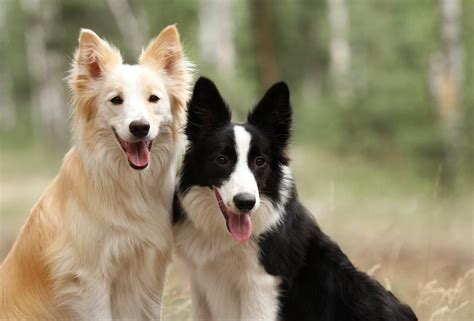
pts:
pixel 283 249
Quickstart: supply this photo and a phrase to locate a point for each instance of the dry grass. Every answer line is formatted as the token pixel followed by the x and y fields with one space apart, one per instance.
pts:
pixel 392 226
pixel 448 304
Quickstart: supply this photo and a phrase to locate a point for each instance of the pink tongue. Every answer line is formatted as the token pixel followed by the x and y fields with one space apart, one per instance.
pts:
pixel 138 154
pixel 240 226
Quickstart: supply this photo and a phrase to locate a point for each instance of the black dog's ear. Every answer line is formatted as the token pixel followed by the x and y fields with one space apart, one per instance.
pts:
pixel 207 110
pixel 272 115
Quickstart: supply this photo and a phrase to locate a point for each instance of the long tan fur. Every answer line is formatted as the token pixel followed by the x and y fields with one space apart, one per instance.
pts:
pixel 97 243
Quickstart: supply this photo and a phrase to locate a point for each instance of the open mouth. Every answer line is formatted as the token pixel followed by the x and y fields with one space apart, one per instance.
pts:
pixel 138 152
pixel 238 224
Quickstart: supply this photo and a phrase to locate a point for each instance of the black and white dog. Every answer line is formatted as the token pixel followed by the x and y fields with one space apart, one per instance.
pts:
pixel 252 250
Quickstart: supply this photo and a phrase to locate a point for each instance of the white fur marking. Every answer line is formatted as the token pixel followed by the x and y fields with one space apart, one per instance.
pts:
pixel 242 179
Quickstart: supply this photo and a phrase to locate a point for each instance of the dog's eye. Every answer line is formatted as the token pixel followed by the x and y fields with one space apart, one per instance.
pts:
pixel 117 100
pixel 153 99
pixel 260 161
pixel 221 160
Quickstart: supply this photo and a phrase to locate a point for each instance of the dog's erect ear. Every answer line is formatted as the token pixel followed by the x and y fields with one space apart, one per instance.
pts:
pixel 165 53
pixel 94 55
pixel 272 115
pixel 207 110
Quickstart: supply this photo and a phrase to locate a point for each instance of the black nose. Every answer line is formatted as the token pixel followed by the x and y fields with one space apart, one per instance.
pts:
pixel 244 201
pixel 139 128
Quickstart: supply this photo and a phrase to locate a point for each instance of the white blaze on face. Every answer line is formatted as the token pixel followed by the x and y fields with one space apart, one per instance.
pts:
pixel 242 179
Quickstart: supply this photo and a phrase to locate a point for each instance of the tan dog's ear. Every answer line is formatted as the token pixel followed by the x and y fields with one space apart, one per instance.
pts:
pixel 95 55
pixel 165 52
pixel 165 55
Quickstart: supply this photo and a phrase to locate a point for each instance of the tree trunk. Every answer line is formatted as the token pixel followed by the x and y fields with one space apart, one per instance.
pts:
pixel 7 104
pixel 48 103
pixel 446 80
pixel 216 35
pixel 132 29
pixel 339 47
pixel 267 64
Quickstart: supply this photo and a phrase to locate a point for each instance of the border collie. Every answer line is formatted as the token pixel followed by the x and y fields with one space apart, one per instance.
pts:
pixel 253 251
pixel 97 244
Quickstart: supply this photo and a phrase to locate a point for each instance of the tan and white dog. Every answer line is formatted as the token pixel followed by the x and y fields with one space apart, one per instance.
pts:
pixel 97 244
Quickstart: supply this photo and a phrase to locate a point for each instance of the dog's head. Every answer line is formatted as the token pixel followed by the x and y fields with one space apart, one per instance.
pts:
pixel 238 169
pixel 123 110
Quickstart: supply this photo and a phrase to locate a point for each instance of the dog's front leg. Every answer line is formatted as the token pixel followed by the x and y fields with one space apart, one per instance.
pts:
pixel 138 291
pixel 259 301
pixel 200 307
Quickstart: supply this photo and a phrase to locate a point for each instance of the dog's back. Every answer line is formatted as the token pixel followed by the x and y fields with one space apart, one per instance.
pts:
pixel 25 277
pixel 320 283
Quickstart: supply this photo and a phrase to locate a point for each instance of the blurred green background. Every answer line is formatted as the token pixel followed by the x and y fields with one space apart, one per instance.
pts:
pixel 383 94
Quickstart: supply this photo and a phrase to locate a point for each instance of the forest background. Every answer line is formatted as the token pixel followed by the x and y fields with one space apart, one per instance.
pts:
pixel 383 95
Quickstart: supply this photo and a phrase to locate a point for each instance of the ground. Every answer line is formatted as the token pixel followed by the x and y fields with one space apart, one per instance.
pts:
pixel 391 222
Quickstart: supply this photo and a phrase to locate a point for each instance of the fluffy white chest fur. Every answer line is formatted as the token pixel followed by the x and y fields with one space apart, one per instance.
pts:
pixel 110 257
pixel 227 281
